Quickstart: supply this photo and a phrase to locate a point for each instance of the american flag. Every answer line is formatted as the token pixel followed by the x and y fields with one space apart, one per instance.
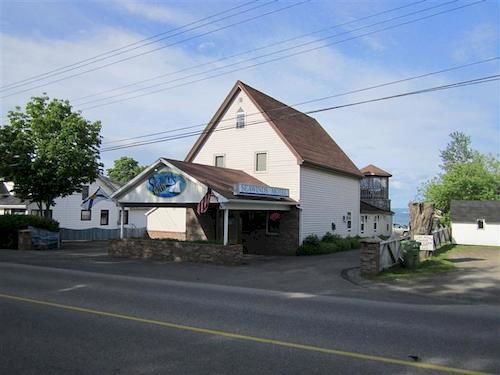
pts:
pixel 205 201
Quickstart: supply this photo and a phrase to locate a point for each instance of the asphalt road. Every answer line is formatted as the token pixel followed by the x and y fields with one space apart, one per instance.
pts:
pixel 57 321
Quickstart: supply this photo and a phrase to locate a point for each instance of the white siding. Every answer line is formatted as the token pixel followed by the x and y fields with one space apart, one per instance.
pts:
pixel 167 219
pixel 384 225
pixel 67 211
pixel 325 198
pixel 469 234
pixel 240 145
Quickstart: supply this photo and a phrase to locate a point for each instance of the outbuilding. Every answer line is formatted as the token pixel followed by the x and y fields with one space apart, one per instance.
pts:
pixel 475 222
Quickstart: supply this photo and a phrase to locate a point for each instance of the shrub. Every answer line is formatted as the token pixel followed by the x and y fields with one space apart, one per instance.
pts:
pixel 10 224
pixel 329 237
pixel 310 246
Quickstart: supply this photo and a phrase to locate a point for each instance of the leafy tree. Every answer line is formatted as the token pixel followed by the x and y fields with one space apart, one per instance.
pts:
pixel 124 169
pixel 468 175
pixel 457 151
pixel 49 151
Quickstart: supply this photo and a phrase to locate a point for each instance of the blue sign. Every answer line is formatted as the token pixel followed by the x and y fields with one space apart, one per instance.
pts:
pixel 166 184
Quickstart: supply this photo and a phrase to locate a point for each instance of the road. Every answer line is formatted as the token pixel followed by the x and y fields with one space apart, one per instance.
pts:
pixel 66 321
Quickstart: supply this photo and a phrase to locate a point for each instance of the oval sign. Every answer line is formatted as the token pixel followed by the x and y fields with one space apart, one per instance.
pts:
pixel 166 184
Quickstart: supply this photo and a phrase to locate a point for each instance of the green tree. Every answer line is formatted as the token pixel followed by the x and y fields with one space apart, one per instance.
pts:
pixel 49 151
pixel 124 169
pixel 458 151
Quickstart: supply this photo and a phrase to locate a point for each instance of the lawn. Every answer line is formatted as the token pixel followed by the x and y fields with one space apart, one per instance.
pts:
pixel 436 264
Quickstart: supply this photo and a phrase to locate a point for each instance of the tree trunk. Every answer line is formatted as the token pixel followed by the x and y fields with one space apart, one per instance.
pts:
pixel 421 218
pixel 46 213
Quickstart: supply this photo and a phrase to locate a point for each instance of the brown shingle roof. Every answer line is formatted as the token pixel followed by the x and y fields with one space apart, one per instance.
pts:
pixel 303 134
pixel 222 180
pixel 371 170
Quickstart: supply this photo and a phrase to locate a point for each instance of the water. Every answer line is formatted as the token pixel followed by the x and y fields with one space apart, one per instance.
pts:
pixel 401 216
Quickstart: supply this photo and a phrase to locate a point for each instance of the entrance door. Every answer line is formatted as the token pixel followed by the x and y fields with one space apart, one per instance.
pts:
pixel 253 230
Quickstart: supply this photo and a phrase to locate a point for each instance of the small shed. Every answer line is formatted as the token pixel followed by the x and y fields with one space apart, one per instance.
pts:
pixel 475 222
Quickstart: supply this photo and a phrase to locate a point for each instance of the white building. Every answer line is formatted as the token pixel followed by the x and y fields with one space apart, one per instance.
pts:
pixel 255 140
pixel 104 214
pixel 475 222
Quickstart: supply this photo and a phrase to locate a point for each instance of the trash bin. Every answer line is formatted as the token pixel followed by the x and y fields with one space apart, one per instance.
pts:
pixel 411 253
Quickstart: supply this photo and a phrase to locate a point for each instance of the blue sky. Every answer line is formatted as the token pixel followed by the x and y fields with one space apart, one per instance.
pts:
pixel 402 136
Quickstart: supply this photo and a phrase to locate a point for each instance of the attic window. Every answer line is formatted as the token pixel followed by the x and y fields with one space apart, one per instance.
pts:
pixel 240 118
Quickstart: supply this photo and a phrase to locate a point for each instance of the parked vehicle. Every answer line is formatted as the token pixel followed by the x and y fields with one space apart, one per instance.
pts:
pixel 400 229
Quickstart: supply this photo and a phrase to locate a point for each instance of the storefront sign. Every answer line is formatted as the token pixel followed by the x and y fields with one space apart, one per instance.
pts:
pixel 426 241
pixel 166 184
pixel 246 189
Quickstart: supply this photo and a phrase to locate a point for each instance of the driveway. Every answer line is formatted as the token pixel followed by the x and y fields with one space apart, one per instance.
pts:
pixel 475 280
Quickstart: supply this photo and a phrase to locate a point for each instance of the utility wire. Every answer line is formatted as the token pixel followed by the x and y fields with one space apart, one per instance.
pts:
pixel 407 79
pixel 475 81
pixel 247 51
pixel 280 57
pixel 160 48
pixel 130 45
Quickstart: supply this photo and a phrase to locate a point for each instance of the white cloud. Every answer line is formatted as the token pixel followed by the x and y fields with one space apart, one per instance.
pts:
pixel 480 42
pixel 163 13
pixel 402 136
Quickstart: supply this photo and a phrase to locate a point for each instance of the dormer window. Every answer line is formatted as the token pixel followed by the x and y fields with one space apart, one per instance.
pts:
pixel 240 118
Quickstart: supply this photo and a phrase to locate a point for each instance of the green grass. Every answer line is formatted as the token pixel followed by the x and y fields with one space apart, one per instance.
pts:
pixel 436 264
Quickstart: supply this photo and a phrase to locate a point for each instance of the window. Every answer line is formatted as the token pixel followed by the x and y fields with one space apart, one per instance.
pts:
pixel 362 227
pixel 375 226
pixel 240 118
pixel 42 213
pixel 125 217
pixel 85 215
pixel 260 161
pixel 349 222
pixel 85 192
pixel 104 217
pixel 273 222
pixel 387 227
pixel 219 161
pixel 480 223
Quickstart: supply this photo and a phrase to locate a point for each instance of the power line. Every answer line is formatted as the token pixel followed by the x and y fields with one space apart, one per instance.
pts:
pixel 280 58
pixel 247 51
pixel 354 91
pixel 131 44
pixel 160 48
pixel 470 82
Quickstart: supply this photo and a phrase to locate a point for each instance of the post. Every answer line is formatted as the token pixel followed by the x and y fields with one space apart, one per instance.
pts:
pixel 226 226
pixel 370 256
pixel 121 222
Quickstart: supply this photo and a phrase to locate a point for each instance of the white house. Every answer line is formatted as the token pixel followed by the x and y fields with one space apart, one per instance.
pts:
pixel 254 147
pixel 70 214
pixel 475 222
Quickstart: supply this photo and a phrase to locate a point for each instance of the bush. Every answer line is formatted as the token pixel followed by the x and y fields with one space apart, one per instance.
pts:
pixel 10 224
pixel 330 243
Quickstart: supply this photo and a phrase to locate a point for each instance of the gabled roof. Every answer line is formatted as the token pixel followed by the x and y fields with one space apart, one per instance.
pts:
pixel 470 211
pixel 110 184
pixel 366 208
pixel 372 170
pixel 4 191
pixel 305 137
pixel 11 201
pixel 221 180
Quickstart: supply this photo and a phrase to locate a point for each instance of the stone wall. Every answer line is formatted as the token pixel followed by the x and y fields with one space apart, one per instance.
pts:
pixel 284 243
pixel 177 251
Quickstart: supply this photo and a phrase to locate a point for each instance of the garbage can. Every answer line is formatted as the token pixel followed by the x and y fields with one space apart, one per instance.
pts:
pixel 411 253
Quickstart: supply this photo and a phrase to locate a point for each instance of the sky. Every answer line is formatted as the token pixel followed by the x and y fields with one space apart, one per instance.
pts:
pixel 402 136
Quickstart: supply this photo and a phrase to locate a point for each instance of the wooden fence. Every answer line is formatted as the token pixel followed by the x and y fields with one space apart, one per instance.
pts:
pixel 441 237
pixel 390 252
pixel 98 234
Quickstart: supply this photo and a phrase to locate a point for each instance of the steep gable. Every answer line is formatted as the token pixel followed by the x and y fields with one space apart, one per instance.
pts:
pixel 305 137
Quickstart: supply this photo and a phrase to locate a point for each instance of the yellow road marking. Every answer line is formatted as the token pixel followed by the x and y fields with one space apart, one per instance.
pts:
pixel 286 344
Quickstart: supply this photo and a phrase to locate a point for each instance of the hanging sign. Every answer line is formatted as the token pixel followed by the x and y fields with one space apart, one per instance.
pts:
pixel 247 189
pixel 166 184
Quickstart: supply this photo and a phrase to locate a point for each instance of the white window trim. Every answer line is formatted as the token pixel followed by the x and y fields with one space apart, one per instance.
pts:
pixel 255 161
pixel 238 112
pixel 223 161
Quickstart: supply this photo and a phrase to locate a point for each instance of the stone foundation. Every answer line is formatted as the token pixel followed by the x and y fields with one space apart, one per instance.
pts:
pixel 177 251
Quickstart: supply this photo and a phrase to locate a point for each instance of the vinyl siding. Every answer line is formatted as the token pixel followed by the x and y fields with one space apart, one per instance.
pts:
pixel 67 212
pixel 239 147
pixel 468 234
pixel 384 225
pixel 325 198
